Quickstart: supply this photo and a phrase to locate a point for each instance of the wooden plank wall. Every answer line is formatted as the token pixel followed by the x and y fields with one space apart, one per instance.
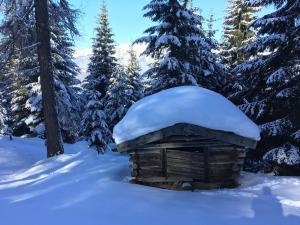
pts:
pixel 188 133
pixel 214 164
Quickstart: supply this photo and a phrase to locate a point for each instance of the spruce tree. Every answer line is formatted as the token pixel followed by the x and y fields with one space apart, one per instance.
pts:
pixel 125 88
pixel 5 98
pixel 66 82
pixel 94 123
pixel 65 72
pixel 18 46
pixel 26 104
pixel 211 32
pixel 237 31
pixel 4 102
pixel 101 67
pixel 27 90
pixel 180 47
pixel 272 75
pixel 102 62
pixel 133 71
pixel 119 96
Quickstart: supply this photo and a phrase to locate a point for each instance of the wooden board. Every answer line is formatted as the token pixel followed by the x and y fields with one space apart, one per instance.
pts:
pixel 214 168
pixel 188 135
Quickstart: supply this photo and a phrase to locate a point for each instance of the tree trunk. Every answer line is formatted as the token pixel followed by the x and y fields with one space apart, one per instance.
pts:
pixel 53 134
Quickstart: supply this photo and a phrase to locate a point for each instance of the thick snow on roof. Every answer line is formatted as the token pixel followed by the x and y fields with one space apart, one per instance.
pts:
pixel 186 104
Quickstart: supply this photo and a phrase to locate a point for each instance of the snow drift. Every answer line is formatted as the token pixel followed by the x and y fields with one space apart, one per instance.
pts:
pixel 84 188
pixel 186 104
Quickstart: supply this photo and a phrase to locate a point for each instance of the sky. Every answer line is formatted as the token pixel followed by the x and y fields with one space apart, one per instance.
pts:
pixel 126 18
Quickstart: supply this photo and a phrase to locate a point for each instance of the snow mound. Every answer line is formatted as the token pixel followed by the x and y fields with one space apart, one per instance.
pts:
pixel 186 104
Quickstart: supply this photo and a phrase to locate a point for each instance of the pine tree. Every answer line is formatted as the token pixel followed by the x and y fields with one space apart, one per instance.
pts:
pixel 272 75
pixel 6 61
pixel 67 97
pixel 180 47
pixel 94 122
pixel 66 82
pixel 27 104
pixel 211 32
pixel 5 98
pixel 101 67
pixel 27 110
pixel 102 61
pixel 133 71
pixel 119 96
pixel 237 31
pixel 4 102
pixel 19 52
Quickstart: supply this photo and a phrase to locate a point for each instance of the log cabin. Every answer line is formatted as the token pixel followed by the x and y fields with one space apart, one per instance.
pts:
pixel 186 138
pixel 186 156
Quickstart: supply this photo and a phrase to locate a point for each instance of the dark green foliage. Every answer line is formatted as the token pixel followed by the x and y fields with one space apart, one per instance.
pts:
pixel 94 122
pixel 180 47
pixel 119 96
pixel 133 72
pixel 102 61
pixel 271 78
pixel 96 86
pixel 26 111
pixel 237 31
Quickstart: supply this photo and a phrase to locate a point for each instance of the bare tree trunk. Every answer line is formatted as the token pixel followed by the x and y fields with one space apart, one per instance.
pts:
pixel 53 134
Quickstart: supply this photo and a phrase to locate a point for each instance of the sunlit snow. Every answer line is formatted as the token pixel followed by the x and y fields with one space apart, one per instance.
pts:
pixel 83 188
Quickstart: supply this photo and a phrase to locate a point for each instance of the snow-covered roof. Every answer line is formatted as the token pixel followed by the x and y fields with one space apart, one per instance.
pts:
pixel 186 104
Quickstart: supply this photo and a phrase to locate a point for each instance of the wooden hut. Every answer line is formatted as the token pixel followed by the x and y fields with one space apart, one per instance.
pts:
pixel 186 137
pixel 186 155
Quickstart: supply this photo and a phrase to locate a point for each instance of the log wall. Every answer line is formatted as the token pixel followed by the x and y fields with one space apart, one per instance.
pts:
pixel 209 164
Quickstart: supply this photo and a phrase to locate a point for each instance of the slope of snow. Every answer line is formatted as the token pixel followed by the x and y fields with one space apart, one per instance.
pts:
pixel 186 104
pixel 83 188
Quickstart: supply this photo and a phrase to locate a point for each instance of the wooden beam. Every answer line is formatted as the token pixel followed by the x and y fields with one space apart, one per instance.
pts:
pixel 185 131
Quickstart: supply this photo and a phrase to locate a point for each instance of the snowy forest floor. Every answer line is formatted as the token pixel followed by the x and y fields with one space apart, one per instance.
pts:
pixel 83 188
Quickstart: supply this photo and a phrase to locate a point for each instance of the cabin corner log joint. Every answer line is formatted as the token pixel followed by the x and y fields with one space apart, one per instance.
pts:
pixel 185 153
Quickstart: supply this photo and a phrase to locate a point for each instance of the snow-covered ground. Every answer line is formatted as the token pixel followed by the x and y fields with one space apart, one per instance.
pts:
pixel 83 188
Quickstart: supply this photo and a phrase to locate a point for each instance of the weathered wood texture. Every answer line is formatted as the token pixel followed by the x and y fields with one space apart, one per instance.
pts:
pixel 186 156
pixel 187 135
pixel 203 169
